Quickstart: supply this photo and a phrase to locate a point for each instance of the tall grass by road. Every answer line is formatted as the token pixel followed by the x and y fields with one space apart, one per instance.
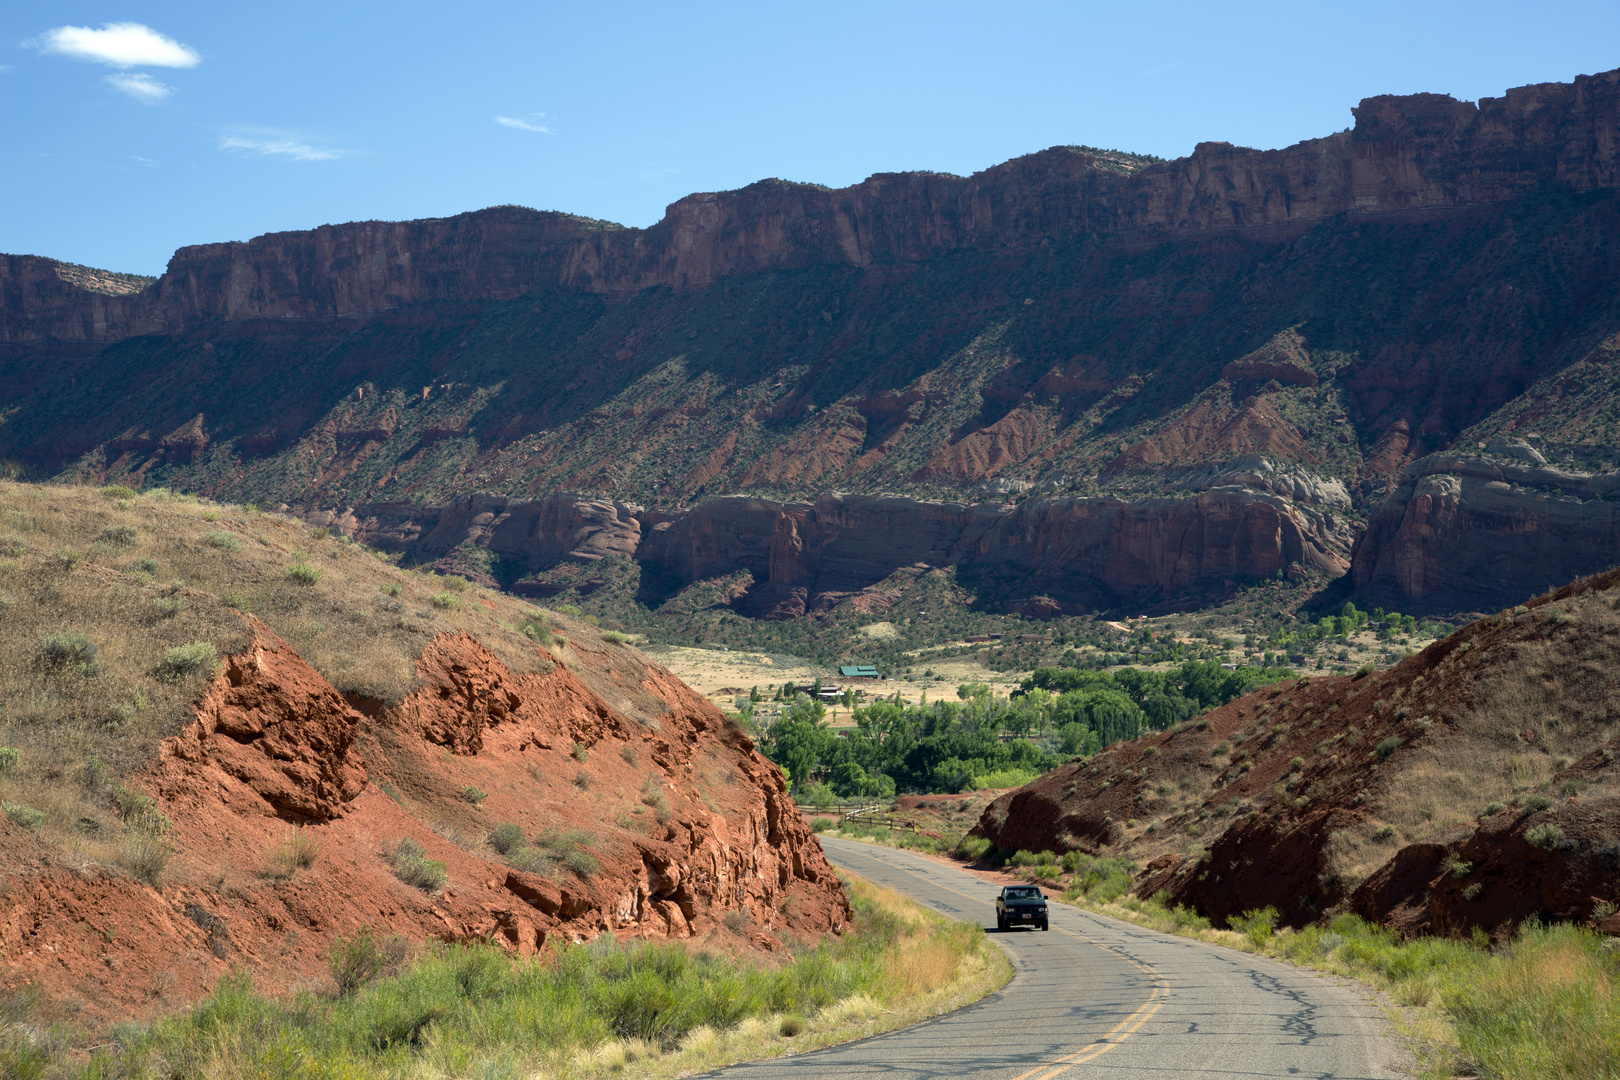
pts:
pixel 654 1008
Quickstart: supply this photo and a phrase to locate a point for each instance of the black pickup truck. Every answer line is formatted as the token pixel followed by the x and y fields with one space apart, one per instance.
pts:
pixel 1020 904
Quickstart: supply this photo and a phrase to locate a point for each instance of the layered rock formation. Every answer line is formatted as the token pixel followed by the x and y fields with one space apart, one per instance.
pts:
pixel 1072 322
pixel 1474 532
pixel 810 556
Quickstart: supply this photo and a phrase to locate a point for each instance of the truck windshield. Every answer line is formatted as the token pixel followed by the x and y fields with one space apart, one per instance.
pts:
pixel 1022 894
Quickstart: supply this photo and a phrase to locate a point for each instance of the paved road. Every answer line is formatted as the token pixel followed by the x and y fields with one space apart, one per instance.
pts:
pixel 1096 997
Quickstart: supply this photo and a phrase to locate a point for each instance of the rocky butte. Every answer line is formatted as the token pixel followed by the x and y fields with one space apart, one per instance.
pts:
pixel 1047 364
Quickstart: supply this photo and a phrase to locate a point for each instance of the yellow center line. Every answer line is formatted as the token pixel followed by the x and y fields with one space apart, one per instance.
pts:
pixel 1116 1035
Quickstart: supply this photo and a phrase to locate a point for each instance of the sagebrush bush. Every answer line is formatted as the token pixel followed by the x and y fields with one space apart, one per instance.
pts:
pixel 222 540
pixel 167 607
pixel 973 848
pixel 26 816
pixel 617 638
pixel 303 573
pixel 1546 836
pixel 446 601
pixel 120 535
pixel 68 649
pixel 183 660
pixel 506 838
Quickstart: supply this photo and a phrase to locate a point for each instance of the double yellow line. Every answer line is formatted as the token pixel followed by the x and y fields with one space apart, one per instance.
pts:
pixel 1117 1034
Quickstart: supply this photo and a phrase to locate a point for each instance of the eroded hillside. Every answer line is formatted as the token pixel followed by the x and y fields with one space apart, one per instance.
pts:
pixel 231 738
pixel 1471 785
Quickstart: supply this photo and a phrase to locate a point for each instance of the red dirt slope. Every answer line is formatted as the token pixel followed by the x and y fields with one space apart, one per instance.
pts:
pixel 274 751
pixel 1376 793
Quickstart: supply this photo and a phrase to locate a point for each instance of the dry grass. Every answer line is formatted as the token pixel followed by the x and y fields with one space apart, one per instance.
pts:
pixel 155 584
pixel 1549 675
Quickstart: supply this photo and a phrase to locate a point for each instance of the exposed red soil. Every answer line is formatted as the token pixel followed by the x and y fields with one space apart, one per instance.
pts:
pixel 274 751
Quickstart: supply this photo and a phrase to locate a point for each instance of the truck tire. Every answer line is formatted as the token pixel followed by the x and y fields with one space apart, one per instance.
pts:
pixel 1044 926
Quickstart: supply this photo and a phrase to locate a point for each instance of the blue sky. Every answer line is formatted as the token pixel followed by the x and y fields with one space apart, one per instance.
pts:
pixel 191 123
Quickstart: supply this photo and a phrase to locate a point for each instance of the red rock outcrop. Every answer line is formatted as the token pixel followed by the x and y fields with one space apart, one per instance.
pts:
pixel 270 724
pixel 678 828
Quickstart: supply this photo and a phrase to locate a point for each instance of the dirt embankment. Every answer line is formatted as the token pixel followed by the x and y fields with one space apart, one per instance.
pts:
pixel 1472 785
pixel 641 810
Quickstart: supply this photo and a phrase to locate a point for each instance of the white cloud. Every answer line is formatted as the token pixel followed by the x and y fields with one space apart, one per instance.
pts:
pixel 146 161
pixel 531 122
pixel 121 45
pixel 141 87
pixel 279 144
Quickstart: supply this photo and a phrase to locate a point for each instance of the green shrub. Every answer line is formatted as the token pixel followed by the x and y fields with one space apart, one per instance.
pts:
pixel 121 535
pixel 1385 832
pixel 355 961
pixel 973 848
pixel 166 607
pixel 506 838
pixel 614 637
pixel 413 867
pixel 454 583
pixel 1020 859
pixel 117 491
pixel 535 629
pixel 67 558
pixel 139 812
pixel 1387 747
pixel 26 816
pixel 10 756
pixel 69 649
pixel 629 754
pixel 581 752
pixel 1533 803
pixel 183 660
pixel 224 541
pixel 1257 925
pixel 582 780
pixel 446 601
pixel 1492 809
pixel 822 824
pixel 581 862
pixel 1546 836
pixel 303 573
pixel 473 794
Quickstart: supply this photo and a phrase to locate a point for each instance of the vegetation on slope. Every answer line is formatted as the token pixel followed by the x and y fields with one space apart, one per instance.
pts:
pixel 648 1009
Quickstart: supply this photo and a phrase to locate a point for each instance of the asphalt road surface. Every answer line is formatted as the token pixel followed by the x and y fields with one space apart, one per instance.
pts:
pixel 1095 997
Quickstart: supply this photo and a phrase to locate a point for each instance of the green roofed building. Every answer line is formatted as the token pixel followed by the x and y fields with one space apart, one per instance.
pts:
pixel 852 672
